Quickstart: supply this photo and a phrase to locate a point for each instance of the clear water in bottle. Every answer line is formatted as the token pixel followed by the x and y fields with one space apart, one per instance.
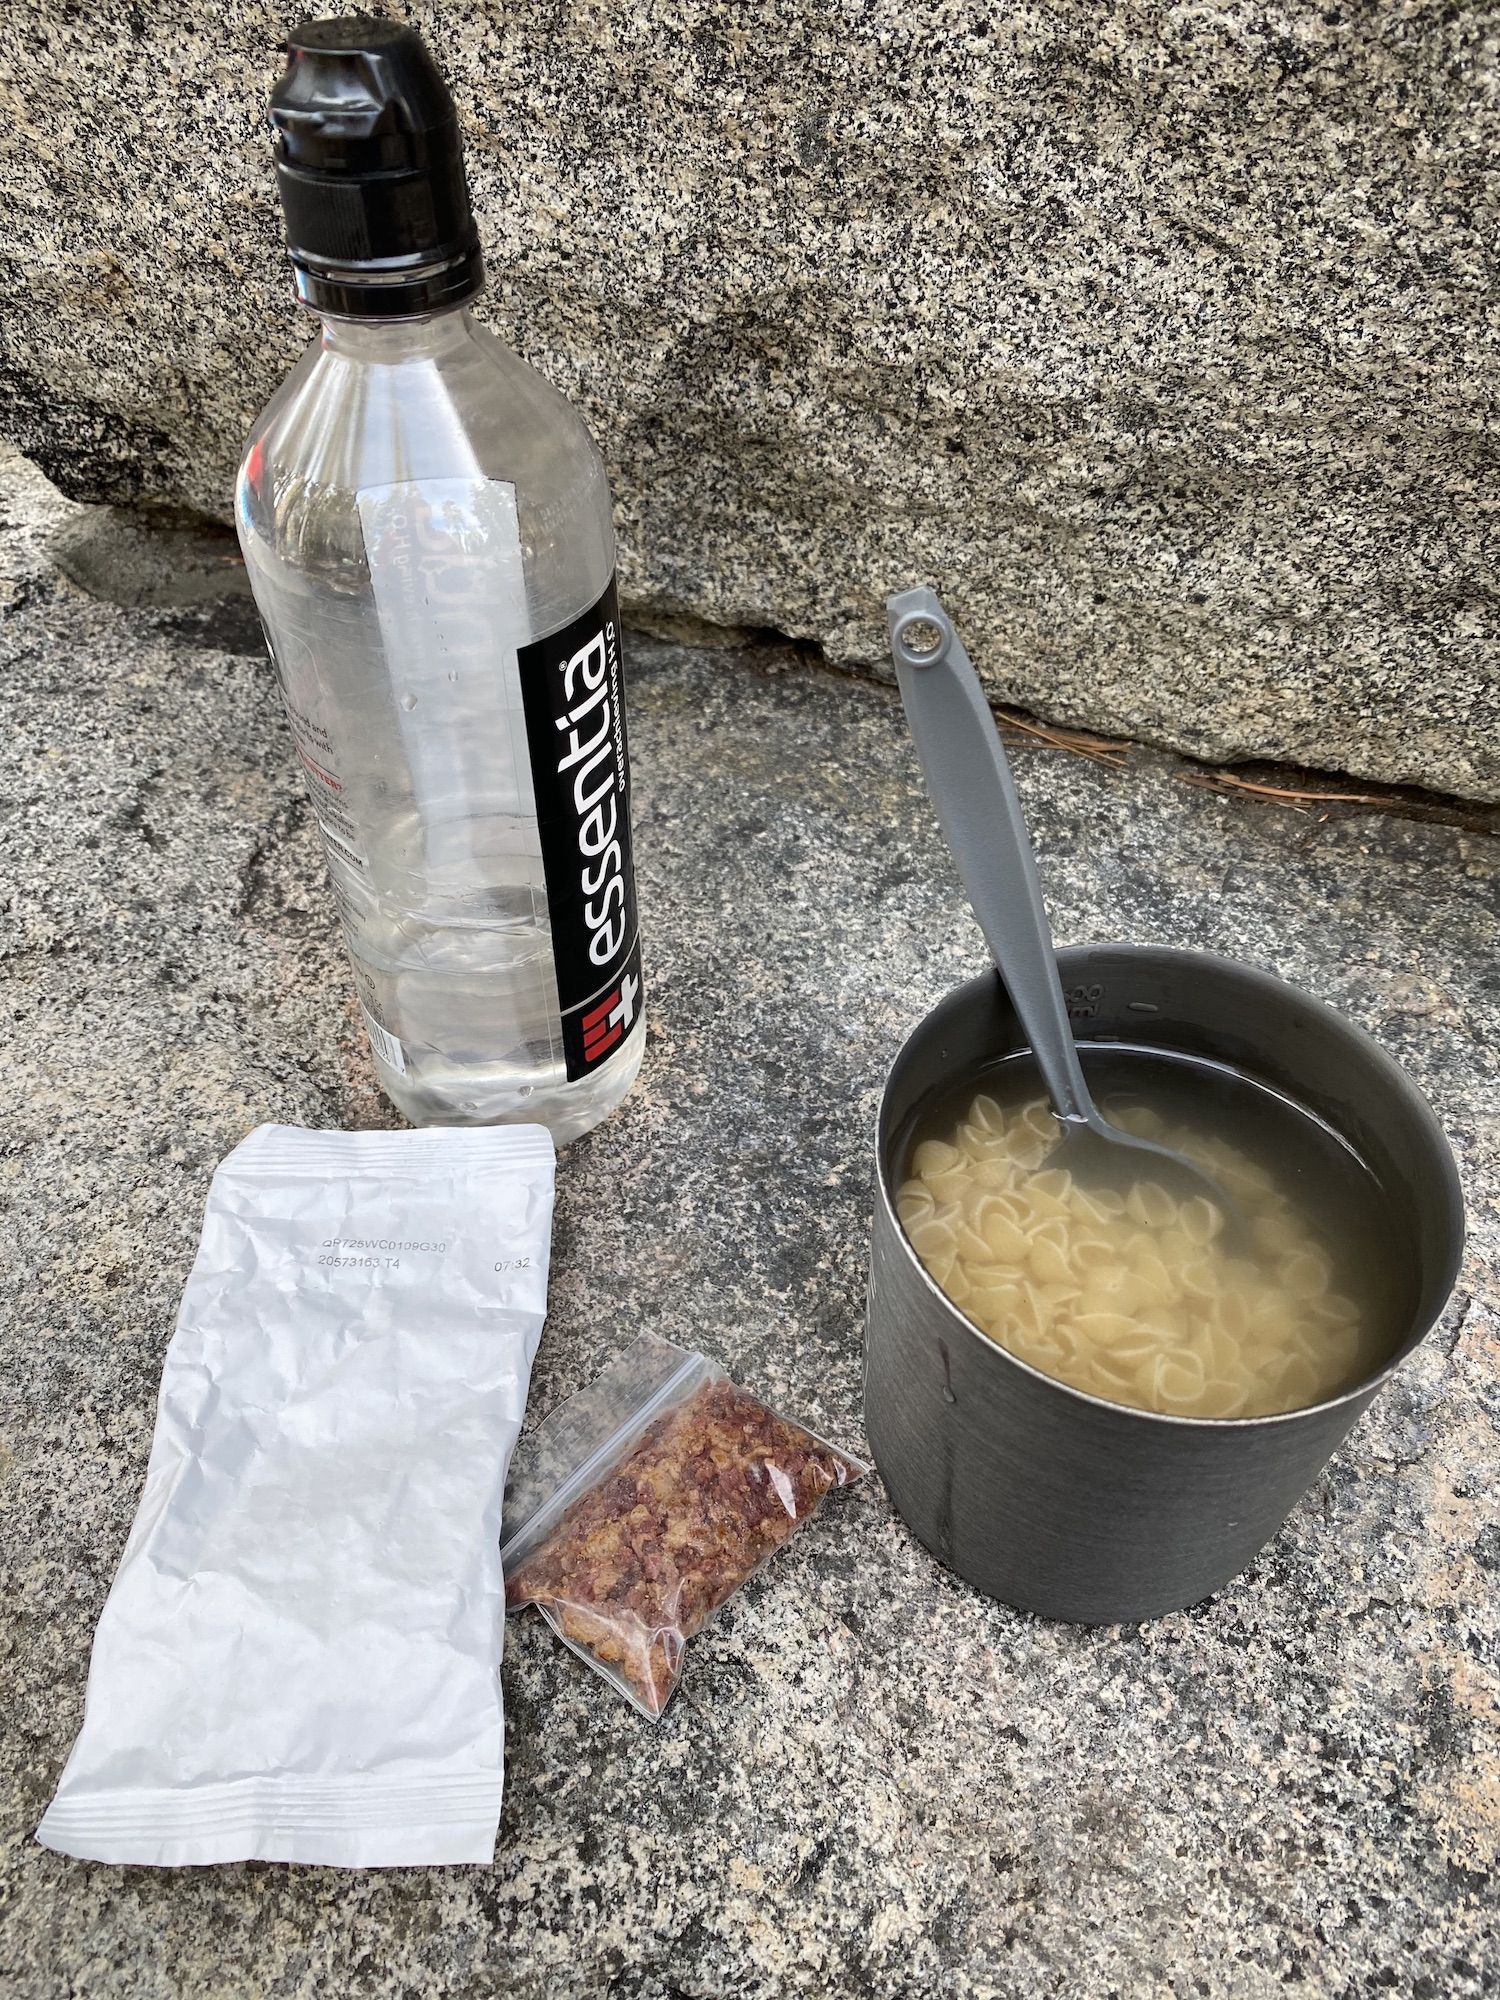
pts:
pixel 426 524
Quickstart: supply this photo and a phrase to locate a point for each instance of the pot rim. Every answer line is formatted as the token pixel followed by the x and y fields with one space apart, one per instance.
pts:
pixel 1380 1058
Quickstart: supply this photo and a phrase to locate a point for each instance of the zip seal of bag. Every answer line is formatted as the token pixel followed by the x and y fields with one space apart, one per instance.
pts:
pixel 643 1503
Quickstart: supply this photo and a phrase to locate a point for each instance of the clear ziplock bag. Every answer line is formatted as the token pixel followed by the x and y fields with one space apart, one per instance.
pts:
pixel 299 1659
pixel 645 1501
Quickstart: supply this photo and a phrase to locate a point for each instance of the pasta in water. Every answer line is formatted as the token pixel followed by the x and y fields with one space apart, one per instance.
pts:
pixel 1128 1293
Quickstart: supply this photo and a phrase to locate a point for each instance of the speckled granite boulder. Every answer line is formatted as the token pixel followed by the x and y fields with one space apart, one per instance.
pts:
pixel 1157 338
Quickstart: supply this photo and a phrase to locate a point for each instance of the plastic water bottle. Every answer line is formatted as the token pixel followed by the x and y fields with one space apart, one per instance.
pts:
pixel 427 528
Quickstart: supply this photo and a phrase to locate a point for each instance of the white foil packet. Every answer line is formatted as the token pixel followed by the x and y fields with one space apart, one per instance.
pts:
pixel 299 1658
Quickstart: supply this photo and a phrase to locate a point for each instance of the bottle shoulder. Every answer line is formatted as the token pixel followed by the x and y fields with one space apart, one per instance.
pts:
pixel 376 407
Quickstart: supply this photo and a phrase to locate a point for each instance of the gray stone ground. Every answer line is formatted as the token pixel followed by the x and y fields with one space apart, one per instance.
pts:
pixel 1161 338
pixel 874 1783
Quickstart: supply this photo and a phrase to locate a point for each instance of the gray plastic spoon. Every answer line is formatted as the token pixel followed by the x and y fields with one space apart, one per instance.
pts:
pixel 970 782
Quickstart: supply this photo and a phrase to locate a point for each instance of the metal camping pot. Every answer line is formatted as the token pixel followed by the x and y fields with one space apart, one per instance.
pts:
pixel 1040 1494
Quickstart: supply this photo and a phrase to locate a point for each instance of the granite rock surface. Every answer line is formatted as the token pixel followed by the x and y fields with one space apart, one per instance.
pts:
pixel 1162 340
pixel 873 1782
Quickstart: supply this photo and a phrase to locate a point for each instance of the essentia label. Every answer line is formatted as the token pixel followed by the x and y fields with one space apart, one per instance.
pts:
pixel 572 687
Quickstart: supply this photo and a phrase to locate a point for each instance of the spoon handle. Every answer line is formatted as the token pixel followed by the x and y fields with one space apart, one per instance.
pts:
pixel 970 782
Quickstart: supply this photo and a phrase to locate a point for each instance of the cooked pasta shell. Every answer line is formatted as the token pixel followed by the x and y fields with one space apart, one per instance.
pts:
pixel 1307 1274
pixel 970 1245
pixel 1156 1283
pixel 1199 1279
pixel 949 1183
pixel 1333 1309
pixel 1149 1204
pixel 1109 1330
pixel 1004 1239
pixel 992 1302
pixel 1271 1311
pixel 1199 1220
pixel 1340 1352
pixel 1231 1313
pixel 1137 1118
pixel 1177 1381
pixel 1275 1234
pixel 940 1267
pixel 930 1237
pixel 1112 1372
pixel 1222 1396
pixel 986 1112
pixel 956 1284
pixel 1111 1291
pixel 1058 1297
pixel 1241 1177
pixel 1094 1253
pixel 1043 1202
pixel 1037 1119
pixel 1222 1357
pixel 1085 1208
pixel 1047 1263
pixel 934 1157
pixel 1032 1310
pixel 977 1143
pixel 1295 1383
pixel 1175 1248
pixel 1043 1352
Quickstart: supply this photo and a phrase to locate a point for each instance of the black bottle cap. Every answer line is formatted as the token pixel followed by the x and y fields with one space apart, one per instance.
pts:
pixel 370 165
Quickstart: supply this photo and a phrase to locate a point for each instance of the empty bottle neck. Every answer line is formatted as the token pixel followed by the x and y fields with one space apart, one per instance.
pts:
pixel 389 342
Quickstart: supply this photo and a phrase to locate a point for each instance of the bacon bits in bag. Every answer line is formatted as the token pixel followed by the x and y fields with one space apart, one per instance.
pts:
pixel 646 1501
